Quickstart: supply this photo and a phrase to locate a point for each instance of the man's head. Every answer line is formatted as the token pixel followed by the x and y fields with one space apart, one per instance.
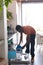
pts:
pixel 19 28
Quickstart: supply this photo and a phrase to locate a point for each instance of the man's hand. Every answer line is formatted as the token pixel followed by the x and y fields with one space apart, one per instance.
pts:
pixel 23 46
pixel 19 48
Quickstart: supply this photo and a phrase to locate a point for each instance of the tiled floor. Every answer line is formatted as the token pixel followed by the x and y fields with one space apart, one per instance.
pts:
pixel 38 58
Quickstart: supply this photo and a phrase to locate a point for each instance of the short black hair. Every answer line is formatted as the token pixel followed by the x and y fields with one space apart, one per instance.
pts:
pixel 19 28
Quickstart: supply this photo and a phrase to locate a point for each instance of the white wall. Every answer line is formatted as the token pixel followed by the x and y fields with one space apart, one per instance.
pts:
pixel 19 20
pixel 1 25
pixel 3 34
pixel 18 11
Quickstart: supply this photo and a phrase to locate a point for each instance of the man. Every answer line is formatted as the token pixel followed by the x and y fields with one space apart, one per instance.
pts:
pixel 30 32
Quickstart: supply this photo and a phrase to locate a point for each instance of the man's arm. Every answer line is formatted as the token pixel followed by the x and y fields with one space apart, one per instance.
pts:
pixel 20 38
pixel 23 46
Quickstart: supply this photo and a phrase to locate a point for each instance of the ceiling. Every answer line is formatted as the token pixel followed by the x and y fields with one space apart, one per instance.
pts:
pixel 29 0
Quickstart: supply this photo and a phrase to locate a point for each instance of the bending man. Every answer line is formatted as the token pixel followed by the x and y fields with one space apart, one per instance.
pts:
pixel 30 32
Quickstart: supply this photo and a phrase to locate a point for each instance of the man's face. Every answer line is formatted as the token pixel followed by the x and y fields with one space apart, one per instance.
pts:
pixel 20 30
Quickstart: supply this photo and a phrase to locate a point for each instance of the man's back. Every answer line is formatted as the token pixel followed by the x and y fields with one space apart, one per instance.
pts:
pixel 28 30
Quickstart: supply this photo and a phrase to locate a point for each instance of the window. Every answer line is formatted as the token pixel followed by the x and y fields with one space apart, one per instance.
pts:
pixel 32 14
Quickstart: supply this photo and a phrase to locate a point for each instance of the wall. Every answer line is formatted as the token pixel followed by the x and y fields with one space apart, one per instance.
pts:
pixel 12 8
pixel 3 34
pixel 1 25
pixel 18 10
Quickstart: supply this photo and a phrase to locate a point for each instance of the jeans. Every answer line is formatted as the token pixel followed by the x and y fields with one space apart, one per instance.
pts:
pixel 32 42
